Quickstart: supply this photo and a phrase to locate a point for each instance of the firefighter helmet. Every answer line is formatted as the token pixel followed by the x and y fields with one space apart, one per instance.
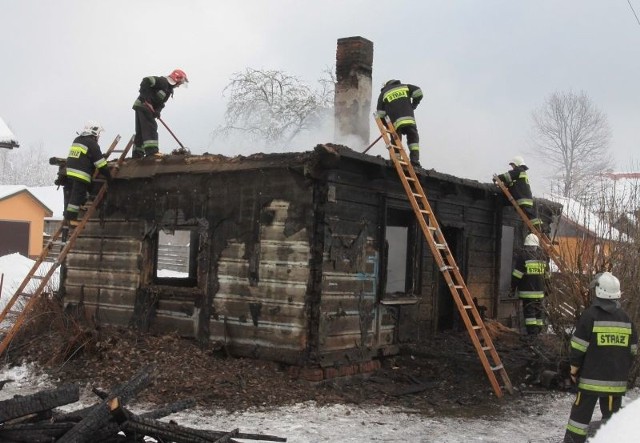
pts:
pixel 518 161
pixel 92 127
pixel 178 77
pixel 388 82
pixel 606 286
pixel 532 240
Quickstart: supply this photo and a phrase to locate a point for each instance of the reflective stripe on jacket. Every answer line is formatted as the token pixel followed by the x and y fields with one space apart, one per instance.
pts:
pixel 602 347
pixel 84 157
pixel 517 181
pixel 529 273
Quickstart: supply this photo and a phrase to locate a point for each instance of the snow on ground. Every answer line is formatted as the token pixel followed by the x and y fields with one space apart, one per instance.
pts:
pixel 533 419
pixel 14 268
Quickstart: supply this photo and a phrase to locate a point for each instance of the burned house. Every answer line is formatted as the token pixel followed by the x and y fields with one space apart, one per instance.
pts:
pixel 311 259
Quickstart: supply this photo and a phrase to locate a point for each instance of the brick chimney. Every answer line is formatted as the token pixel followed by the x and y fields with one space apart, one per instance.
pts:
pixel 352 103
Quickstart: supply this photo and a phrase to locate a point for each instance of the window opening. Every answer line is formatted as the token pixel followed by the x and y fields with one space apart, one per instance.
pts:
pixel 176 257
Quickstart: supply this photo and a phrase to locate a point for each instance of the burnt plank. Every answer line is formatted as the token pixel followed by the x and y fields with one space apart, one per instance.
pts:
pixel 38 402
pixel 84 430
pixel 41 432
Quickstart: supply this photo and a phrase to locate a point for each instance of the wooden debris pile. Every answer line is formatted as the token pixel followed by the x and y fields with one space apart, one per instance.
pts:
pixel 35 419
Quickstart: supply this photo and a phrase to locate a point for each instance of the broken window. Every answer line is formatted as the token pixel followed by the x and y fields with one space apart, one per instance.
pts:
pixel 400 254
pixel 176 253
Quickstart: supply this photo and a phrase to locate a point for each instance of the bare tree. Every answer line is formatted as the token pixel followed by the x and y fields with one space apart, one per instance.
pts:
pixel 27 166
pixel 273 106
pixel 572 136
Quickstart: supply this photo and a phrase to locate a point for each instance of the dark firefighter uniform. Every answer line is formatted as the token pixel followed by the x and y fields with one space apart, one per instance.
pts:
pixel 154 91
pixel 517 181
pixel 528 277
pixel 398 100
pixel 84 157
pixel 602 347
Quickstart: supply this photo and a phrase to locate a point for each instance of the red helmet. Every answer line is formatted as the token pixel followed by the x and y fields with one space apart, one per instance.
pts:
pixel 178 76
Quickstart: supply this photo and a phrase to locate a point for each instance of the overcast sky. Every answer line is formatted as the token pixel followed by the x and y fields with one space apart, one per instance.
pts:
pixel 483 66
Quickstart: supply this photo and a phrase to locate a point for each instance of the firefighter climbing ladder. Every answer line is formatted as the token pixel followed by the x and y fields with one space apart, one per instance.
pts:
pixel 11 320
pixel 444 259
pixel 545 242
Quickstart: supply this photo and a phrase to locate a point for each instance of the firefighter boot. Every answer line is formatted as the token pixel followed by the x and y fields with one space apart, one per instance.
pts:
pixel 414 156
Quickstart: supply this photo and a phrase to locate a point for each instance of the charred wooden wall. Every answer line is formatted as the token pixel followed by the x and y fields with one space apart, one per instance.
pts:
pixel 290 254
pixel 352 309
pixel 253 259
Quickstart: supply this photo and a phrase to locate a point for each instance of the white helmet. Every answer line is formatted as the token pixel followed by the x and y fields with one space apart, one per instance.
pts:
pixel 92 127
pixel 606 285
pixel 518 161
pixel 532 240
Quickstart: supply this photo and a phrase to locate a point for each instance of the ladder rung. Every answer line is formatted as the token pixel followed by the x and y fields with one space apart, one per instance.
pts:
pixel 441 246
pixel 409 179
pixel 424 211
pixel 476 327
pixel 486 348
pixel 497 368
pixel 446 268
pixel 468 307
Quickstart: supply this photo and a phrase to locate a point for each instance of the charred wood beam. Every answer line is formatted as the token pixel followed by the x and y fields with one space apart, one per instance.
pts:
pixel 42 432
pixel 38 402
pixel 85 429
pixel 168 431
pixel 181 434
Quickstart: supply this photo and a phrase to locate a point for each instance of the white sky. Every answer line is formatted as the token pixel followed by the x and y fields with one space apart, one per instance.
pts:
pixel 483 65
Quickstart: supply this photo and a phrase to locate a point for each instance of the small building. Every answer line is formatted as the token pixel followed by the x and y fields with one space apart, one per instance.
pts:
pixel 310 259
pixel 585 238
pixel 22 218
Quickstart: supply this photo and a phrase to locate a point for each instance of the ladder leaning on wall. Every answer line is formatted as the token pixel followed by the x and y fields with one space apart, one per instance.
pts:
pixel 17 309
pixel 444 258
pixel 546 244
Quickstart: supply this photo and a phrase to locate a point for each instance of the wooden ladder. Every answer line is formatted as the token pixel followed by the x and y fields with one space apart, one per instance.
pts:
pixel 11 320
pixel 545 243
pixel 444 259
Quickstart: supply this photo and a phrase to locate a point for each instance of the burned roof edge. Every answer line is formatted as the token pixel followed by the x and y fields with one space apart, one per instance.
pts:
pixel 206 163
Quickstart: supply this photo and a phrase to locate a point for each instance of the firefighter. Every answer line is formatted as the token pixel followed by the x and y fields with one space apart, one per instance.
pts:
pixel 603 346
pixel 154 93
pixel 398 101
pixel 84 157
pixel 517 181
pixel 528 280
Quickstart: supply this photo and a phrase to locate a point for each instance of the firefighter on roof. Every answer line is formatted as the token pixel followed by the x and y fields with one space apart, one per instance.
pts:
pixel 154 93
pixel 398 101
pixel 602 350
